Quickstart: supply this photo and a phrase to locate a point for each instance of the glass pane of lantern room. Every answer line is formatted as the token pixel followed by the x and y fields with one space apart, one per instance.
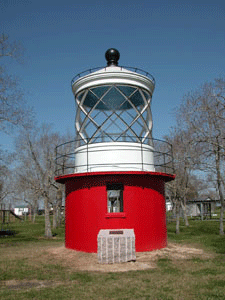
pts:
pixel 113 100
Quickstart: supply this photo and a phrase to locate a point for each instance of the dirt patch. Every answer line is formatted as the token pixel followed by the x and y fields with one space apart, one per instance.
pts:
pixel 174 252
pixel 145 260
pixel 81 261
pixel 28 284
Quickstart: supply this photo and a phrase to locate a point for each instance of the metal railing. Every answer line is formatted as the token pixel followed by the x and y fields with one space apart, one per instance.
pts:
pixel 66 158
pixel 92 70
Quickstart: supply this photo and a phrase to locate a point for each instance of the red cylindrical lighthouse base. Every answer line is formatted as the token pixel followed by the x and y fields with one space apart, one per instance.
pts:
pixel 143 208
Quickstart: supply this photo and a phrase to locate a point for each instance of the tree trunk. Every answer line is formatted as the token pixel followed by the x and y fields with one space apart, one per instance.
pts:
pixel 34 217
pixel 30 213
pixel 178 216
pixel 219 185
pixel 59 197
pixel 221 218
pixel 48 231
pixel 174 209
pixel 184 208
pixel 54 224
pixel 59 216
pixel 35 209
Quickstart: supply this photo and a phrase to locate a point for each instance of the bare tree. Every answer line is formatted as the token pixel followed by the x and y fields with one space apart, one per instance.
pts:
pixel 6 176
pixel 10 49
pixel 13 108
pixel 202 115
pixel 57 207
pixel 23 192
pixel 4 183
pixel 180 187
pixel 36 153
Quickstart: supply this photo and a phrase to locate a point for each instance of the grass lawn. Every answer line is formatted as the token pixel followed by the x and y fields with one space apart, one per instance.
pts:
pixel 28 272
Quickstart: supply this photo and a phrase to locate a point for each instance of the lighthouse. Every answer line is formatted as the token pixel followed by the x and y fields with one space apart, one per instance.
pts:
pixel 114 171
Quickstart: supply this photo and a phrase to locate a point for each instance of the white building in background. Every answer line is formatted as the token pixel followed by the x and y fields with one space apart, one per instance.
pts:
pixel 21 210
pixel 169 205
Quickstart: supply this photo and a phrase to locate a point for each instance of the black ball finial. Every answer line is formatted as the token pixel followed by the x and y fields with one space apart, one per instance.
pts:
pixel 112 56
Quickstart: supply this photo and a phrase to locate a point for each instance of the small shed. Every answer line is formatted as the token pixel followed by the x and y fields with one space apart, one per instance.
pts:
pixel 193 210
pixel 201 207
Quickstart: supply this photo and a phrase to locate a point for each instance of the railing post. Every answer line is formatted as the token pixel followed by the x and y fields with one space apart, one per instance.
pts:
pixel 63 168
pixel 87 155
pixel 142 166
pixel 171 151
pixel 164 162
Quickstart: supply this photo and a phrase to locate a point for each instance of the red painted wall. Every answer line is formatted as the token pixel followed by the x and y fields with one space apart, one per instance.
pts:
pixel 144 208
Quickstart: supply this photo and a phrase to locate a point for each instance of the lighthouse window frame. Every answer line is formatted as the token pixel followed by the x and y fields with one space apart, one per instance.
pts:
pixel 115 198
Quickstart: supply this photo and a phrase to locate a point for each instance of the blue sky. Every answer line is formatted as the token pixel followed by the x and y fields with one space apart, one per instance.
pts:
pixel 181 43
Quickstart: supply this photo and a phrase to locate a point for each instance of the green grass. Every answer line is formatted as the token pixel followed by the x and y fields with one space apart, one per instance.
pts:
pixel 203 233
pixel 24 265
pixel 29 232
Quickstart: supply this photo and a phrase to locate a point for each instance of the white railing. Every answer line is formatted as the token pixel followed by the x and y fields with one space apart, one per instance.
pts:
pixel 66 162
